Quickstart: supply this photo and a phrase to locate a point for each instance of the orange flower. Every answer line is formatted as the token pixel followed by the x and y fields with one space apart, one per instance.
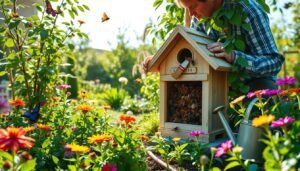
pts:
pixel 17 102
pixel 29 129
pixel 77 148
pixel 127 118
pixel 43 127
pixel 294 90
pixel 98 139
pixel 238 100
pixel 55 99
pixel 13 138
pixel 138 80
pixel 284 93
pixel 3 115
pixel 263 120
pixel 144 138
pixel 106 107
pixel 84 108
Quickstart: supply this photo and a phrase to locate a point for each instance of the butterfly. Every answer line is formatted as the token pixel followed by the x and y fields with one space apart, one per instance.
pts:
pixel 50 10
pixel 104 17
pixel 34 115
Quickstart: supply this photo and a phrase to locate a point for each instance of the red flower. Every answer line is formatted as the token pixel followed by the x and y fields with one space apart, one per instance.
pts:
pixel 14 138
pixel 127 118
pixel 17 102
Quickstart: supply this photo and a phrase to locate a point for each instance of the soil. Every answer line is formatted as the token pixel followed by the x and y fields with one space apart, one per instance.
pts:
pixel 154 166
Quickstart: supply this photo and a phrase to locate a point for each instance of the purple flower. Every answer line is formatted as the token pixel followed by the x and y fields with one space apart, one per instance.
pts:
pixel 282 121
pixel 271 92
pixel 69 154
pixel 196 133
pixel 285 80
pixel 63 86
pixel 224 148
pixel 109 167
pixel 4 106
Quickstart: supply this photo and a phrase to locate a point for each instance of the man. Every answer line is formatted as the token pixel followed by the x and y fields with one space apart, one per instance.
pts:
pixel 264 60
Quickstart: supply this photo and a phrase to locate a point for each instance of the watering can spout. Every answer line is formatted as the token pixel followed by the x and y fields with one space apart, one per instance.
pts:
pixel 219 110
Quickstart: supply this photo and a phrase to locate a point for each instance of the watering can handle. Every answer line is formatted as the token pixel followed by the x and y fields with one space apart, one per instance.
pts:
pixel 249 108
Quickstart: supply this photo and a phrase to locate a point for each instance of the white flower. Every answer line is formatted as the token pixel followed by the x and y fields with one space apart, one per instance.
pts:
pixel 123 80
pixel 129 112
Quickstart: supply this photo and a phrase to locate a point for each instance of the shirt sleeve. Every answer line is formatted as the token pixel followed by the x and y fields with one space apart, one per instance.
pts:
pixel 261 51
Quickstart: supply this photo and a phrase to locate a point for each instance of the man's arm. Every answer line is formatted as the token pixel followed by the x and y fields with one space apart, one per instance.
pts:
pixel 261 52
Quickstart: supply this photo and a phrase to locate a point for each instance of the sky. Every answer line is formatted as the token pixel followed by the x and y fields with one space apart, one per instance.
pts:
pixel 129 17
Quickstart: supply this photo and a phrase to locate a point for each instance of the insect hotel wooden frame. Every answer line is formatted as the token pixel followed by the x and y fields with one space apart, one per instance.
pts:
pixel 187 102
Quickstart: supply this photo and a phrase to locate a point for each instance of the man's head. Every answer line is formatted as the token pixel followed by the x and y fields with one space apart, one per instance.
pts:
pixel 200 8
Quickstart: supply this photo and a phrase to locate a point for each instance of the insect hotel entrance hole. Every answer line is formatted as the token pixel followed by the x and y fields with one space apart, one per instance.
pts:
pixel 184 102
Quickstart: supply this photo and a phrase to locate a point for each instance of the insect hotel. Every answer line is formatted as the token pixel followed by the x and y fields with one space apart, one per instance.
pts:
pixel 192 84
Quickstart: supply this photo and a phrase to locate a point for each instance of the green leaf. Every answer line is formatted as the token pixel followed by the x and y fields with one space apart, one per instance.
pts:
pixel 81 8
pixel 246 27
pixel 215 169
pixel 232 165
pixel 239 44
pixel 252 167
pixel 236 19
pixel 229 14
pixel 2 73
pixel 44 34
pixel 9 43
pixel 242 62
pixel 46 143
pixel 72 168
pixel 55 159
pixel 6 155
pixel 71 13
pixel 28 165
pixel 86 7
pixel 13 24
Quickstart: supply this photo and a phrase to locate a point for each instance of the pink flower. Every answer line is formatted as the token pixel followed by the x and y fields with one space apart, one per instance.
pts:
pixel 224 148
pixel 196 133
pixel 285 80
pixel 282 121
pixel 271 92
pixel 63 86
pixel 109 167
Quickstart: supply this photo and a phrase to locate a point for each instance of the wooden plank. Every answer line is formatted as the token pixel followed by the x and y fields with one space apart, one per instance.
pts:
pixel 181 126
pixel 163 104
pixel 205 106
pixel 185 77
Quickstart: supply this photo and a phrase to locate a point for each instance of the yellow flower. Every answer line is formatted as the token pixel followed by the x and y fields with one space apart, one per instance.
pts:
pixel 176 140
pixel 29 129
pixel 98 139
pixel 84 108
pixel 238 100
pixel 263 120
pixel 78 148
pixel 82 94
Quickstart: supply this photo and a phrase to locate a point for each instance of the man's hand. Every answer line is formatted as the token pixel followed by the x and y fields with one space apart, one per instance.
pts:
pixel 146 63
pixel 219 51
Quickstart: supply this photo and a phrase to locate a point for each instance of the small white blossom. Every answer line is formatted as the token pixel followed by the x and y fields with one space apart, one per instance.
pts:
pixel 123 80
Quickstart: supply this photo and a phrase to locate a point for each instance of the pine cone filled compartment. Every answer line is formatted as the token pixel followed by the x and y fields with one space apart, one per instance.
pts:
pixel 184 102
